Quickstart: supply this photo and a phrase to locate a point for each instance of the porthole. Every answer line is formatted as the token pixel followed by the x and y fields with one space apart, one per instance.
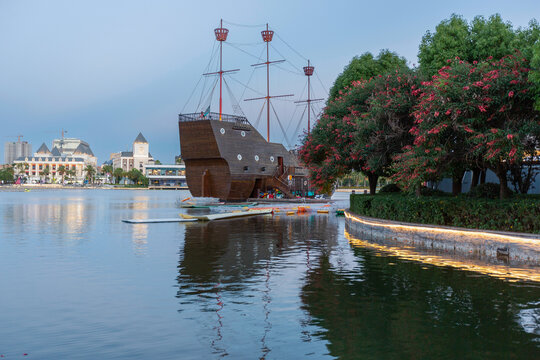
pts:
pixel 222 131
pixel 256 157
pixel 243 133
pixel 271 158
pixel 239 157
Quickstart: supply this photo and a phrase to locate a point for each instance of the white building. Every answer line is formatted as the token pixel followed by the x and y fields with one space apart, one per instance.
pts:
pixel 14 150
pixel 73 154
pixel 138 158
pixel 168 176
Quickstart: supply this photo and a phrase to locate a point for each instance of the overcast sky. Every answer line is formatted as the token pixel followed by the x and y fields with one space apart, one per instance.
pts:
pixel 107 70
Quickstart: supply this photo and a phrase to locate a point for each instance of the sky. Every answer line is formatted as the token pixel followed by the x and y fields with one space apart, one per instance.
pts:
pixel 106 70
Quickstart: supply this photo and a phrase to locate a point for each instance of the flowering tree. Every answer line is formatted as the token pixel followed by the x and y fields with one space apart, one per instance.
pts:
pixel 362 129
pixel 365 67
pixel 478 114
pixel 384 129
pixel 329 150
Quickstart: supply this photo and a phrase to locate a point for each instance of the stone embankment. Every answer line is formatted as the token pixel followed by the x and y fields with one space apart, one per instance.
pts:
pixel 512 249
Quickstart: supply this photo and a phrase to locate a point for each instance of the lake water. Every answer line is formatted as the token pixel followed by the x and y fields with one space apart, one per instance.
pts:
pixel 78 283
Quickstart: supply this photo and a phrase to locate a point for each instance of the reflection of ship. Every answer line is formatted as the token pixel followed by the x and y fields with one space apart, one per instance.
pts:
pixel 227 158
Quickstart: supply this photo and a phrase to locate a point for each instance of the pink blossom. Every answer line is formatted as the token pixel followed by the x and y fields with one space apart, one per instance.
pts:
pixel 509 136
pixel 510 94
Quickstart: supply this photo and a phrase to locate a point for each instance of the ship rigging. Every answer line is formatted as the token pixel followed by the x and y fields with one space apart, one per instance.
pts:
pixel 225 156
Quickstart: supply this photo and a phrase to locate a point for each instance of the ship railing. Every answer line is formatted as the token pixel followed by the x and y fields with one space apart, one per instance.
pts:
pixel 239 120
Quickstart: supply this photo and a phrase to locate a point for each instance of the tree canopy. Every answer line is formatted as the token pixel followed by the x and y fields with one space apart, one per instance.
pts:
pixel 366 66
pixel 474 41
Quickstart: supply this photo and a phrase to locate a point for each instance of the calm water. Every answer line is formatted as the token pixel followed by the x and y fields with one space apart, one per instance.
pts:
pixel 77 283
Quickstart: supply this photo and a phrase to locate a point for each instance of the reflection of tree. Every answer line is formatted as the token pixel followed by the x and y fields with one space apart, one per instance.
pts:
pixel 403 311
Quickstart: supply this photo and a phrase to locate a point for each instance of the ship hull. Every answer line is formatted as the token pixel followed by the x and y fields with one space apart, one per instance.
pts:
pixel 230 160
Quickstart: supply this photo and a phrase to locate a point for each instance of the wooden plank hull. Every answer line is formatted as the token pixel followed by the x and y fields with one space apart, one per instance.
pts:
pixel 232 161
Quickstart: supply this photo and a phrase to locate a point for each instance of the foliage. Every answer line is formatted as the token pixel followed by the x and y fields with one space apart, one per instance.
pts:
pixel 535 74
pixel 118 173
pixel 137 177
pixel 7 174
pixel 478 114
pixel 107 169
pixel 365 67
pixel 485 191
pixel 451 39
pixel 362 129
pixel 90 173
pixel 62 171
pixel 390 188
pixel 517 214
pixel 477 40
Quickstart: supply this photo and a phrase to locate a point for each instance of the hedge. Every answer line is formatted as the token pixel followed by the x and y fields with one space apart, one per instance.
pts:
pixel 519 213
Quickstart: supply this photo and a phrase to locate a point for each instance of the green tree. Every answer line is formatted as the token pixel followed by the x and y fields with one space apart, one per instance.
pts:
pixel 491 38
pixel 90 173
pixel 71 173
pixel 107 170
pixel 157 162
pixel 45 173
pixel 137 177
pixel 475 41
pixel 118 173
pixel 365 67
pixel 7 174
pixel 534 75
pixel 451 38
pixel 20 168
pixel 62 172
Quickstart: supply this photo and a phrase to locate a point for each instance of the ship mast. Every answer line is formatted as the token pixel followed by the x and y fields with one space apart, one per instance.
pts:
pixel 267 36
pixel 308 71
pixel 221 36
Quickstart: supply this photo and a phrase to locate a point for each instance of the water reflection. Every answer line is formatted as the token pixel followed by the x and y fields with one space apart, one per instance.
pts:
pixel 139 232
pixel 501 271
pixel 230 269
pixel 396 308
pixel 68 218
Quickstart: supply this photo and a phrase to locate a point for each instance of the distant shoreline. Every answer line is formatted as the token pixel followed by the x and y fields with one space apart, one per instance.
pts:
pixel 22 187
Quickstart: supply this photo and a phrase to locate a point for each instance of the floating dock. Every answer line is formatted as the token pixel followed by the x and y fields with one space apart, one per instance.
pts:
pixel 209 217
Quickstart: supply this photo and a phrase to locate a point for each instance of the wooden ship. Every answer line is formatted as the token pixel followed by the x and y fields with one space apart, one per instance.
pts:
pixel 227 158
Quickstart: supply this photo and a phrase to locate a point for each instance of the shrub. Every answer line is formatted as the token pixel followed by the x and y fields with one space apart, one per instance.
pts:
pixel 486 191
pixel 425 191
pixel 520 213
pixel 390 188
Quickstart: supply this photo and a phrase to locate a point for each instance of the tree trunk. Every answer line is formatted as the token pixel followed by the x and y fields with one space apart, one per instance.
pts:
pixel 503 182
pixel 372 178
pixel 456 183
pixel 475 178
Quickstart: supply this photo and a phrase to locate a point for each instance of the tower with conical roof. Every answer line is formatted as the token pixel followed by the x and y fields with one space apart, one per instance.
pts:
pixel 141 154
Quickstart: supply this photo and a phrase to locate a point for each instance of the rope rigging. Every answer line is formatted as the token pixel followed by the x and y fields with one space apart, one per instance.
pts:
pixel 208 86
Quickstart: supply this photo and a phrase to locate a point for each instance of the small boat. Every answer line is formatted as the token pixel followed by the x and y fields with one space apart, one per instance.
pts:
pixel 321 211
